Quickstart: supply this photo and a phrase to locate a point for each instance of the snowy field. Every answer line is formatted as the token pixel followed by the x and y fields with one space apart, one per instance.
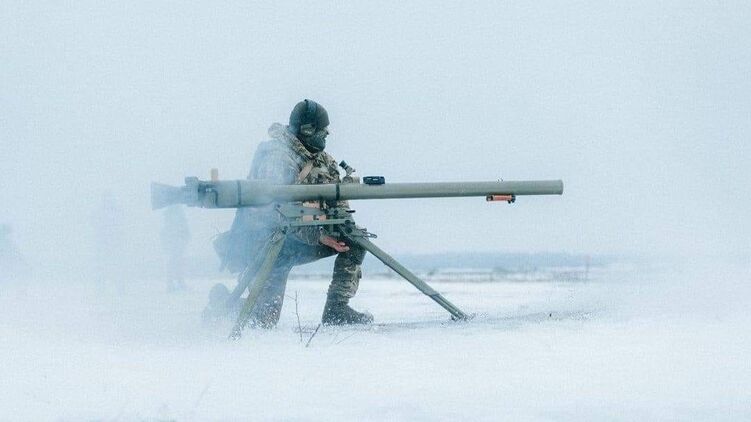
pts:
pixel 627 345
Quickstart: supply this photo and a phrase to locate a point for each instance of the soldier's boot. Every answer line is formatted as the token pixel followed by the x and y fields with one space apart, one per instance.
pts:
pixel 338 312
pixel 344 283
pixel 216 309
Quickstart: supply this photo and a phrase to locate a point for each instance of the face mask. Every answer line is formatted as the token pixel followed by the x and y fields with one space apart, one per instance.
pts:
pixel 314 141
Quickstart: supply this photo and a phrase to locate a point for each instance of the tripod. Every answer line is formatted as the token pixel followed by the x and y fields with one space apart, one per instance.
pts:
pixel 336 222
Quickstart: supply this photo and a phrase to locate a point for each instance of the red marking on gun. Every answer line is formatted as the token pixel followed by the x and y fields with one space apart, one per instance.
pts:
pixel 508 198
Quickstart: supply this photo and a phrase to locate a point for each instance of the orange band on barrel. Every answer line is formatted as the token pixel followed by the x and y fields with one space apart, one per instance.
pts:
pixel 507 198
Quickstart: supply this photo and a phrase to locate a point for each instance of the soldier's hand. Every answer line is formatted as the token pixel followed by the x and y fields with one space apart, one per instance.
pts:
pixel 334 244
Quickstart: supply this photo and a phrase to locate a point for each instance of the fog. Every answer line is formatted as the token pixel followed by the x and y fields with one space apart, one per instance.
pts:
pixel 642 109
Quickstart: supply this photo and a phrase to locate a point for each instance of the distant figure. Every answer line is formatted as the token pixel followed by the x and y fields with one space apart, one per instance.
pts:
pixel 175 237
pixel 11 262
pixel 109 228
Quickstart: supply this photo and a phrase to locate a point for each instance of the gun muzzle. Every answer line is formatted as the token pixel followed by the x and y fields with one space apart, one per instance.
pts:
pixel 165 195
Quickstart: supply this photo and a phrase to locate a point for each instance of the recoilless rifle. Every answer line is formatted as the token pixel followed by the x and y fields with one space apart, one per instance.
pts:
pixel 334 220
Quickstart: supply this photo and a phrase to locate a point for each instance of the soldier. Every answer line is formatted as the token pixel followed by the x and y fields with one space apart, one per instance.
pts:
pixel 109 241
pixel 12 263
pixel 295 154
pixel 175 236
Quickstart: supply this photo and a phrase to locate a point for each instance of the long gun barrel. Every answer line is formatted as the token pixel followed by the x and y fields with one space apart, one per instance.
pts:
pixel 251 193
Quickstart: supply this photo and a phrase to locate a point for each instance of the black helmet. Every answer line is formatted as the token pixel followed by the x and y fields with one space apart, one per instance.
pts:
pixel 308 121
pixel 308 112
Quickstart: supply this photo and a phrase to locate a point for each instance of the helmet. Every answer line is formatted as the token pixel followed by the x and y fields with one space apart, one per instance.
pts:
pixel 308 112
pixel 308 121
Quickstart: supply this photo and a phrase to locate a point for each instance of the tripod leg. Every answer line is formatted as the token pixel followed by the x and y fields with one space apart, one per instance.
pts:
pixel 259 282
pixel 248 275
pixel 422 286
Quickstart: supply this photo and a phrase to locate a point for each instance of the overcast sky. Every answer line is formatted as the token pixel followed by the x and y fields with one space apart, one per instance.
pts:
pixel 643 109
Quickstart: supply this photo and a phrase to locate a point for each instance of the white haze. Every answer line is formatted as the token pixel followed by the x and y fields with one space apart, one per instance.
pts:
pixel 643 109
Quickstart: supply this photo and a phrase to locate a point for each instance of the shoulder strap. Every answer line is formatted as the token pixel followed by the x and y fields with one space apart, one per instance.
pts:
pixel 304 172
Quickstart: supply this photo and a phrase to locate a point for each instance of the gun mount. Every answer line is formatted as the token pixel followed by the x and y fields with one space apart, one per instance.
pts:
pixel 334 221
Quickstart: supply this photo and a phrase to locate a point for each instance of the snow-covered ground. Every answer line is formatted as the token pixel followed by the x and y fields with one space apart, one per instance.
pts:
pixel 629 345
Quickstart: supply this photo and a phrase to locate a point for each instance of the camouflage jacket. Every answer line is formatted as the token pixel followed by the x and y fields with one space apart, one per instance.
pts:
pixel 279 161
